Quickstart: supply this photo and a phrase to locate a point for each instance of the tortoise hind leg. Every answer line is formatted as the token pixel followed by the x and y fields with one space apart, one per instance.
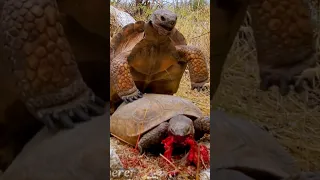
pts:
pixel 43 64
pixel 153 137
pixel 201 126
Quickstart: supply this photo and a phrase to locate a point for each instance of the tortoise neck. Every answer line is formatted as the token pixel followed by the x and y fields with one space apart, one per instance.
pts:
pixel 151 34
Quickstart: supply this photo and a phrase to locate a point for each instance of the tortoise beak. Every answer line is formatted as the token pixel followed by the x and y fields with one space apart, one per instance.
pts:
pixel 168 27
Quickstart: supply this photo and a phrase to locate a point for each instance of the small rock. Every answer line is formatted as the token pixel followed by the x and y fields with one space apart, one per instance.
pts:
pixel 115 162
pixel 122 18
pixel 118 19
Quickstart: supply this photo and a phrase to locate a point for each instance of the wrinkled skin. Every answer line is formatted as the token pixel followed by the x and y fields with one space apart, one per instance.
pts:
pixel 53 60
pixel 284 40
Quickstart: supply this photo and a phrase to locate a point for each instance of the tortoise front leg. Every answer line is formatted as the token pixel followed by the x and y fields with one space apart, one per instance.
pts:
pixel 198 68
pixel 201 126
pixel 153 137
pixel 122 80
pixel 36 49
pixel 227 16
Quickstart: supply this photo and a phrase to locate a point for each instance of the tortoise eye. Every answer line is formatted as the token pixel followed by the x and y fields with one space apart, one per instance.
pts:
pixel 162 18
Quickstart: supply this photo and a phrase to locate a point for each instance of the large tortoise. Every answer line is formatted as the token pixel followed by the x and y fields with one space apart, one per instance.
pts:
pixel 243 151
pixel 151 57
pixel 53 60
pixel 159 121
pixel 283 33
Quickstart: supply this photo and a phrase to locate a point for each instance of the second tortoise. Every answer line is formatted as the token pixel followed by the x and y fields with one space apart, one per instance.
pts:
pixel 158 119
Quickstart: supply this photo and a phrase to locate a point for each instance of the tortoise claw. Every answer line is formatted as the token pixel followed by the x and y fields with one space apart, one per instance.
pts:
pixel 66 121
pixel 81 116
pixel 132 97
pixel 200 86
pixel 65 116
pixel 48 122
pixel 95 110
pixel 289 76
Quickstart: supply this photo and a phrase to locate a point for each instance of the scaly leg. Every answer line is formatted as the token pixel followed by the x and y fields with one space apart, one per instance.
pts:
pixel 201 126
pixel 198 68
pixel 122 79
pixel 153 137
pixel 284 38
pixel 36 49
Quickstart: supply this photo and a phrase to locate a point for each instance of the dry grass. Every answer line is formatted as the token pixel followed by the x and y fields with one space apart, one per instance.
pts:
pixel 192 21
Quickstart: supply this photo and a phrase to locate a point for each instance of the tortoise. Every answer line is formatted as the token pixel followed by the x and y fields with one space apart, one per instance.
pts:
pixel 283 33
pixel 242 150
pixel 150 120
pixel 53 60
pixel 151 57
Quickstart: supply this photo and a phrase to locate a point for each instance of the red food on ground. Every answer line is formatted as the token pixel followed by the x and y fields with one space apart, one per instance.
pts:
pixel 204 154
pixel 132 161
pixel 189 140
pixel 168 146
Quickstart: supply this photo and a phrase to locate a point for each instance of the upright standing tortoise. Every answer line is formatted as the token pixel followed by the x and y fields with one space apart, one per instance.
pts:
pixel 151 58
pixel 159 118
pixel 51 53
pixel 283 32
pixel 243 151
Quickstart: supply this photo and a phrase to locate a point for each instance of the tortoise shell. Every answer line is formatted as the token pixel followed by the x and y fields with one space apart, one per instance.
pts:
pixel 135 118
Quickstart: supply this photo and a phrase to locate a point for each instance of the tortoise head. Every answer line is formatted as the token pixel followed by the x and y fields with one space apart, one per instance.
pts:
pixel 163 21
pixel 181 125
